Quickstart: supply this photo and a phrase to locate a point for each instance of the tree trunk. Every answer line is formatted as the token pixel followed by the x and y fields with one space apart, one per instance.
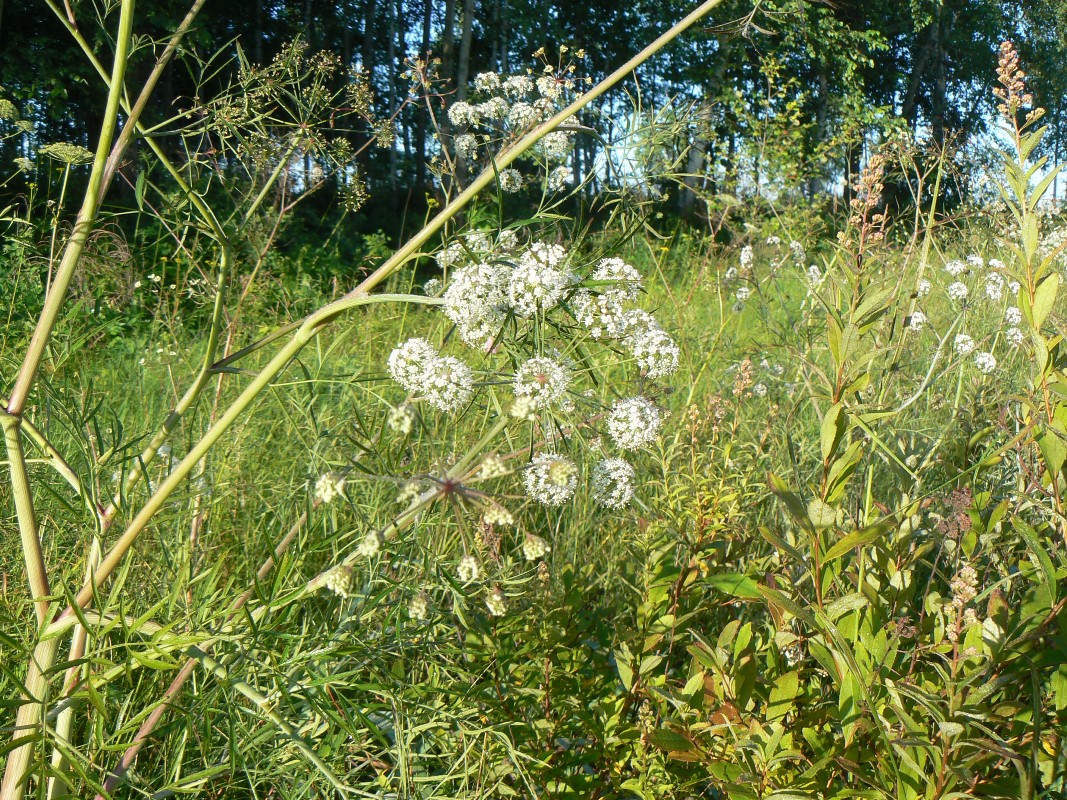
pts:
pixel 696 162
pixel 422 120
pixel 463 69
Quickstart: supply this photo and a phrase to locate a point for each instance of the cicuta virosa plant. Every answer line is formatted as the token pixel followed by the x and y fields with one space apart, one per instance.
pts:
pixel 541 320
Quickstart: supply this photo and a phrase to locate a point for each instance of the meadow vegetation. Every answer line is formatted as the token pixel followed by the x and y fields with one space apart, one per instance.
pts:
pixel 564 497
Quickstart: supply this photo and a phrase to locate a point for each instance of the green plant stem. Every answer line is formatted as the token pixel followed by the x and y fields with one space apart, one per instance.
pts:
pixel 57 293
pixel 32 554
pixel 31 364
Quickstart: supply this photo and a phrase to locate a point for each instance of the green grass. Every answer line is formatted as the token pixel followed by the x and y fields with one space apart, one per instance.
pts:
pixel 676 649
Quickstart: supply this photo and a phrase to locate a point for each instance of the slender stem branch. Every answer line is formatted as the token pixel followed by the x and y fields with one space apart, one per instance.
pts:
pixel 36 573
pixel 57 294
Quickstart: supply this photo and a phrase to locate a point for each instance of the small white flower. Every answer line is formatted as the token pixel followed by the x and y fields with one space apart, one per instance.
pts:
pixel 955 268
pixel 985 362
pixel 493 108
pixel 487 81
pixel 815 276
pixel 760 390
pixel 613 483
pixel 543 380
pixel 475 301
pixel 518 86
pixel 522 116
pixel 448 384
pixel 957 291
pixel 497 515
pixel 555 145
pixel 964 344
pixel 916 322
pixel 976 261
pixel 328 486
pixel 601 314
pixel 496 602
pixel 1013 287
pixel 742 294
pixel 536 283
pixel 371 544
pixel 551 479
pixel 549 87
pixel 626 279
pixel 510 181
pixel 1012 315
pixel 652 347
pixel 534 547
pixel 466 146
pixel 408 362
pixel 797 249
pixel 523 408
pixel 730 275
pixel 996 263
pixel 432 287
pixel 1014 337
pixel 419 607
pixel 994 286
pixel 634 423
pixel 468 569
pixel 560 178
pixel 463 114
pixel 746 258
pixel 493 466
pixel 774 241
pixel 922 288
pixel 339 580
pixel 401 419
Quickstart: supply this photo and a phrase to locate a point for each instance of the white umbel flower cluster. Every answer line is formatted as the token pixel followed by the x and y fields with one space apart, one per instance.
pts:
pixel 601 314
pixel 986 362
pixel 534 547
pixel 510 181
pixel 538 283
pixel 625 281
pixel 634 423
pixel 560 178
pixel 468 569
pixel 339 580
pixel 652 347
pixel 963 344
pixel 476 301
pixel 419 607
pixel 330 485
pixel 551 479
pixel 916 321
pixel 958 291
pixel 401 419
pixel 613 483
pixel 543 381
pixel 446 383
pixel 496 602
